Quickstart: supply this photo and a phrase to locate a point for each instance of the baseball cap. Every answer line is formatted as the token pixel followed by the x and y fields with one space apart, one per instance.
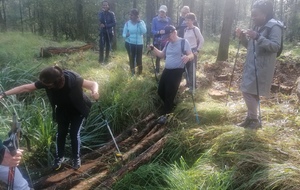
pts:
pixel 169 29
pixel 163 8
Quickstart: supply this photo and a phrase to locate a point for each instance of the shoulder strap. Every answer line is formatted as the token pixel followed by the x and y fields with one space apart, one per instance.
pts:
pixel 281 44
pixel 182 46
pixel 198 41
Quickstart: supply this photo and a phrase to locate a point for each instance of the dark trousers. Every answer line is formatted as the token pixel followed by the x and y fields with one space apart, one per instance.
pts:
pixel 135 53
pixel 168 87
pixel 105 41
pixel 65 120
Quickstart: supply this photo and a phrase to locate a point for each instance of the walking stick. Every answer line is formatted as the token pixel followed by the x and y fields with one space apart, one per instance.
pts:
pixel 256 78
pixel 196 114
pixel 152 60
pixel 12 143
pixel 118 154
pixel 108 37
pixel 231 77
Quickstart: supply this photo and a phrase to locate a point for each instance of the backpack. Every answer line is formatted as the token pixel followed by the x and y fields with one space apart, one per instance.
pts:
pixel 197 39
pixel 281 44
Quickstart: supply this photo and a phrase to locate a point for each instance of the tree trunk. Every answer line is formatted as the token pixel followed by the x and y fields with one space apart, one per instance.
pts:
pixel 112 6
pixel 171 10
pixel 21 15
pixel 3 18
pixel 150 13
pixel 80 25
pixel 201 19
pixel 134 4
pixel 229 12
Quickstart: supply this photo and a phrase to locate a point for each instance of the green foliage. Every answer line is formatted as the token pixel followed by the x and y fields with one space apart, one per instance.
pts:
pixel 147 177
pixel 214 154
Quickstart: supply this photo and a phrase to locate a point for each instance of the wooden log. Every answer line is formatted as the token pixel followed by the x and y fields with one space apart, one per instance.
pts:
pixel 50 51
pixel 134 164
pixel 110 145
pixel 66 179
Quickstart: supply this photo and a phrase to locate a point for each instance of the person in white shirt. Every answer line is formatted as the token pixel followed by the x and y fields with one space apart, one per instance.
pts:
pixel 193 35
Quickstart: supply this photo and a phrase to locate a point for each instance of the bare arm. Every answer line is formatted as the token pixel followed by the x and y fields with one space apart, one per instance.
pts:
pixel 188 57
pixel 20 89
pixel 157 52
pixel 93 87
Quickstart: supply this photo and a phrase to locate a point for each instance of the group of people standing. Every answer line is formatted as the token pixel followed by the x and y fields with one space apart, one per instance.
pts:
pixel 262 43
pixel 71 106
pixel 135 29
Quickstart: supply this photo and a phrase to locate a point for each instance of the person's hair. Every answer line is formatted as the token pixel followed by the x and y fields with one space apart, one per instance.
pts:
pixel 266 7
pixel 191 16
pixel 186 8
pixel 135 12
pixel 105 2
pixel 52 75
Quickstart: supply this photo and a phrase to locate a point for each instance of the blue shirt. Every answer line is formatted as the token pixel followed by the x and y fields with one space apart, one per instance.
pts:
pixel 136 31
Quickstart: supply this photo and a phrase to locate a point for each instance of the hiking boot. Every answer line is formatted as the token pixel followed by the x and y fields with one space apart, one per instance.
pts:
pixel 76 163
pixel 253 124
pixel 244 123
pixel 57 163
pixel 162 120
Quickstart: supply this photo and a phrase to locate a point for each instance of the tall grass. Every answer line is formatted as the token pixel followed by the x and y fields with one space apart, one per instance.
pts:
pixel 214 154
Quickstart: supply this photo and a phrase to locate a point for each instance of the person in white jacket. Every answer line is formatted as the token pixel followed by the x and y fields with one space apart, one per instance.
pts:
pixel 193 35
pixel 133 32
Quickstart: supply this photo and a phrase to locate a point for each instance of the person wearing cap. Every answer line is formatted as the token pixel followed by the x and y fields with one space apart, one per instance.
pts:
pixel 262 43
pixel 107 21
pixel 193 35
pixel 177 53
pixel 182 22
pixel 133 33
pixel 157 30
pixel 69 103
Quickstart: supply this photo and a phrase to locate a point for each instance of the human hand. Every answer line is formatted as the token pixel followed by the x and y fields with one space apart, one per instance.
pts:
pixel 196 52
pixel 95 95
pixel 240 33
pixel 127 34
pixel 162 31
pixel 102 25
pixel 2 95
pixel 150 47
pixel 252 34
pixel 12 161
pixel 185 59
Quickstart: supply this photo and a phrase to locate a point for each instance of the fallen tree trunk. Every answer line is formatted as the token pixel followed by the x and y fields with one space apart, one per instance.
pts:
pixel 134 164
pixel 143 138
pixel 50 51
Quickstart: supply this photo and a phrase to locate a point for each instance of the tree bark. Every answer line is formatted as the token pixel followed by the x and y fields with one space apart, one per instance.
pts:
pixel 229 12
pixel 80 25
pixel 150 13
pixel 134 164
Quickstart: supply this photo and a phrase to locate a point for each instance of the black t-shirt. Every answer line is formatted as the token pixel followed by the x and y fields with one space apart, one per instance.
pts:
pixel 70 97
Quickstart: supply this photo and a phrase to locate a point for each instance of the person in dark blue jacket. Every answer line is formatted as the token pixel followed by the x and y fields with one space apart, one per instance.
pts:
pixel 107 22
pixel 158 24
